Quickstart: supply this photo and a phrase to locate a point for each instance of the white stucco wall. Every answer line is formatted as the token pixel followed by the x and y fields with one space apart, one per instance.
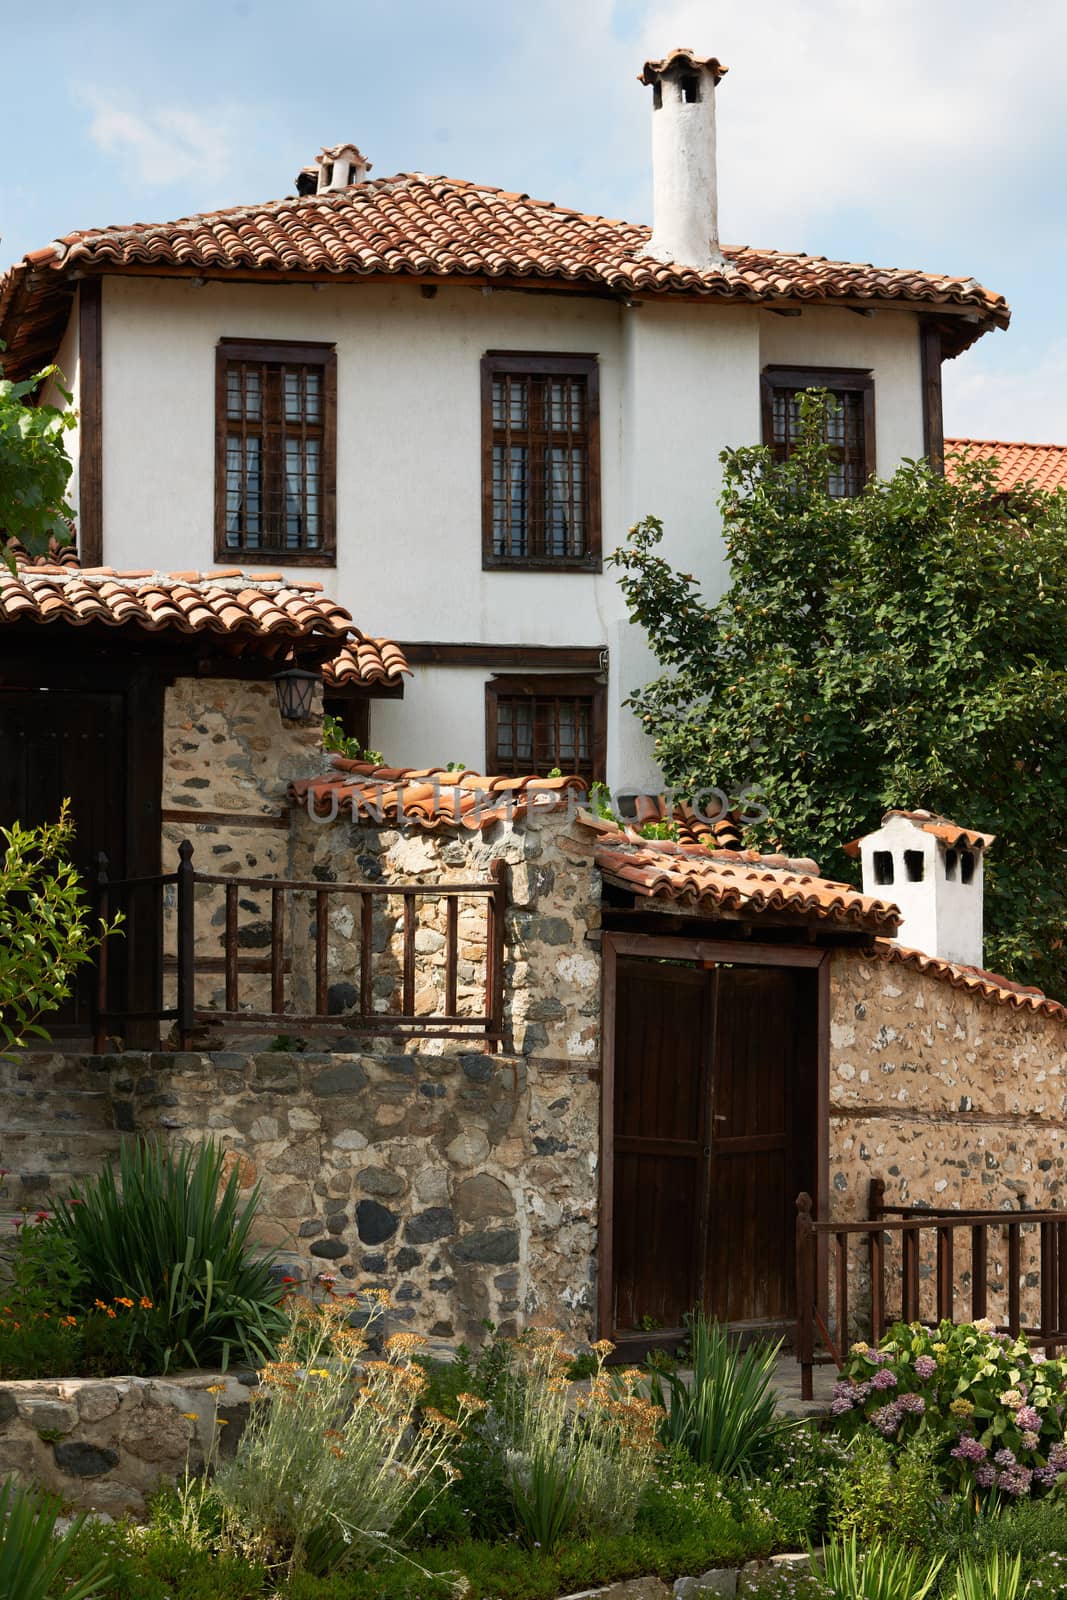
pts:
pixel 67 360
pixel 678 383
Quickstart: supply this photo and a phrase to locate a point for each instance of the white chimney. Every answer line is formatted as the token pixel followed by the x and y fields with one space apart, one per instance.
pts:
pixel 933 870
pixel 339 166
pixel 685 189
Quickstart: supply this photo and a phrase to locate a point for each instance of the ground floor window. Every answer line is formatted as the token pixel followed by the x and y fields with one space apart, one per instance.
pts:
pixel 536 724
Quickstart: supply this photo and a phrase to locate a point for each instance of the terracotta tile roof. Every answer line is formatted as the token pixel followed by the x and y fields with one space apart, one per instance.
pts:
pixel 229 602
pixel 445 228
pixel 692 827
pixel 685 60
pixel 1042 465
pixel 740 882
pixel 952 836
pixel 989 985
pixel 430 797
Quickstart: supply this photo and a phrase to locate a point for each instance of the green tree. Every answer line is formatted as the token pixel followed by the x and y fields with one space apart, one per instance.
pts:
pixel 904 648
pixel 34 467
pixel 46 926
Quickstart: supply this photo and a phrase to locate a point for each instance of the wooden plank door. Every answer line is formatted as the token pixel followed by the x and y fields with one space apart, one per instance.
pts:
pixel 661 1032
pixel 54 745
pixel 759 1024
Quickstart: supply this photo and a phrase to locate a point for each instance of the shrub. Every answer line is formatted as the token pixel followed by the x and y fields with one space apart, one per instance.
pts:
pixel 574 1459
pixel 726 1418
pixel 881 1495
pixel 996 1578
pixel 995 1408
pixel 335 1448
pixel 853 1571
pixel 170 1233
pixel 33 1561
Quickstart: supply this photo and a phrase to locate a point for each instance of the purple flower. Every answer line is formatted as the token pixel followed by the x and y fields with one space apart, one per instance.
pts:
pixel 878 1358
pixel 840 1390
pixel 841 1405
pixel 925 1367
pixel 884 1379
pixel 1046 1476
pixel 1015 1481
pixel 887 1419
pixel 969 1449
pixel 913 1403
pixel 985 1477
pixel 1005 1458
pixel 1028 1419
pixel 1057 1457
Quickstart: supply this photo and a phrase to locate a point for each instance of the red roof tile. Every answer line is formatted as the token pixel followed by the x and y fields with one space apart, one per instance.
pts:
pixel 445 228
pixel 684 60
pixel 1042 465
pixel 227 601
pixel 950 833
pixel 430 797
pixel 738 882
pixel 988 985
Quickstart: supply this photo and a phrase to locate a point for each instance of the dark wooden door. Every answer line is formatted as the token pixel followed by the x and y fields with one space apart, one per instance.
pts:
pixel 56 745
pixel 714 1097
pixel 661 1033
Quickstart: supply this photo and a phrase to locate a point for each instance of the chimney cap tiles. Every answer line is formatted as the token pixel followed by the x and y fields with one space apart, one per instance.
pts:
pixel 681 59
pixel 950 834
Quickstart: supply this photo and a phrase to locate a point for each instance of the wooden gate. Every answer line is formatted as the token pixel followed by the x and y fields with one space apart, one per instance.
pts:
pixel 710 1125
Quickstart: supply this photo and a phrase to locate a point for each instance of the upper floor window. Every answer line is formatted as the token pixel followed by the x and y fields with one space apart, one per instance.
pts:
pixel 540 461
pixel 275 451
pixel 538 723
pixel 849 423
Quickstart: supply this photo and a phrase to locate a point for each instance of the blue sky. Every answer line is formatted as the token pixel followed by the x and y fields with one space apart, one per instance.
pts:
pixel 896 131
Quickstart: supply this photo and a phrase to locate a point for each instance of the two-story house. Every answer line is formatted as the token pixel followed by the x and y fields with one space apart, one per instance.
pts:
pixel 448 403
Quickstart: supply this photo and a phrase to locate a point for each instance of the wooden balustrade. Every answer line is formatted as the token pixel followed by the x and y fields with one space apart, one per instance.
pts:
pixel 285 958
pixel 899 1241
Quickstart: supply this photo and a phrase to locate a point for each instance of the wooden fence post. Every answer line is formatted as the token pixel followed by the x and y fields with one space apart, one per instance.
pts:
pixel 186 893
pixel 806 1291
pixel 494 977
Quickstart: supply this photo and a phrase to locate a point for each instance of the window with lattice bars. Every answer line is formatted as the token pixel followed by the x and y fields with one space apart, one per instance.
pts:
pixel 535 726
pixel 849 421
pixel 275 452
pixel 541 467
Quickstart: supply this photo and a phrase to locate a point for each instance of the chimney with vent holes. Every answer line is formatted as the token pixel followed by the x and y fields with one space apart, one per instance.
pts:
pixel 339 166
pixel 932 869
pixel 685 190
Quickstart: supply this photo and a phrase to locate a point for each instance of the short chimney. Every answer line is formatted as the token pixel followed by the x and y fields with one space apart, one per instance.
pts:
pixel 684 184
pixel 933 870
pixel 340 165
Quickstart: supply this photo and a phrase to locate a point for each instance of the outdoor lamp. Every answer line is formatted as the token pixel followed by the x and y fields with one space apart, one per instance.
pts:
pixel 296 691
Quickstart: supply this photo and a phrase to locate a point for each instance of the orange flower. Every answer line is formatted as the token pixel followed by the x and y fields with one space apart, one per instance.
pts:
pixel 110 1313
pixel 101 1305
pixel 144 1303
pixel 121 1300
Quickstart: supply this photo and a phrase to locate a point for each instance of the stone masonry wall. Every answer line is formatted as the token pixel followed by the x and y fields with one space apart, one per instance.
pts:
pixel 951 1098
pixel 226 750
pixel 464 1183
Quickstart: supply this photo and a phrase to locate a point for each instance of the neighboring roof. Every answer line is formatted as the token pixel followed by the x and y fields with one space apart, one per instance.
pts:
pixel 1042 465
pixel 446 228
pixel 243 608
pixel 951 835
pixel 430 797
pixel 739 882
pixel 682 60
pixel 692 827
pixel 988 985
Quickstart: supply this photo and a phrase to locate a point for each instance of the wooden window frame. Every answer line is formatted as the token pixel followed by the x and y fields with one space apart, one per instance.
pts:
pixel 856 380
pixel 549 684
pixel 304 353
pixel 543 364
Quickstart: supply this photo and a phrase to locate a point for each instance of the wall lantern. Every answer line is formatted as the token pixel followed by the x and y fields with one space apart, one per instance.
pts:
pixel 296 693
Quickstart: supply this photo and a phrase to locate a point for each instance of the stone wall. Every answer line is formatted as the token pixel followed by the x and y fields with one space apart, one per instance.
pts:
pixel 464 1183
pixel 951 1098
pixel 105 1444
pixel 227 753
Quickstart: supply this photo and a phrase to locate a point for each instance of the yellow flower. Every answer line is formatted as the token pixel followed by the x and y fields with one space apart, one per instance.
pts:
pixel 215 1388
pixel 471 1402
pixel 603 1347
pixel 961 1408
pixel 318 1372
pixel 190 1416
pixel 220 1422
pixel 860 1349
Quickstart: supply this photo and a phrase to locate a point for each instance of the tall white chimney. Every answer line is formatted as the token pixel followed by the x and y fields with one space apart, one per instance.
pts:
pixel 340 166
pixel 933 870
pixel 685 188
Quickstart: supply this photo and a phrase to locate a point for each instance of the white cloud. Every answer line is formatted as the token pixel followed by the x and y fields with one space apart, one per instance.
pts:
pixel 168 145
pixel 984 400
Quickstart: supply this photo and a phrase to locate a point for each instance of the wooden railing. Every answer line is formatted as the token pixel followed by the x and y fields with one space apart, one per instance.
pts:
pixel 917 1242
pixel 277 965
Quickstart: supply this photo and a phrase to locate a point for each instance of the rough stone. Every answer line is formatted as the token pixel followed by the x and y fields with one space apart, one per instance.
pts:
pixel 158 1435
pixel 483 1196
pixel 329 1249
pixel 495 1246
pixel 379 1180
pixel 375 1223
pixel 79 1459
pixel 468 1149
pixel 436 1223
pixel 347 1077
pixel 48 1415
pixel 717 1581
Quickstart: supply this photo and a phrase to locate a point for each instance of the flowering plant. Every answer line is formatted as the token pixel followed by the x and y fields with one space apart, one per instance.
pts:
pixel 996 1407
